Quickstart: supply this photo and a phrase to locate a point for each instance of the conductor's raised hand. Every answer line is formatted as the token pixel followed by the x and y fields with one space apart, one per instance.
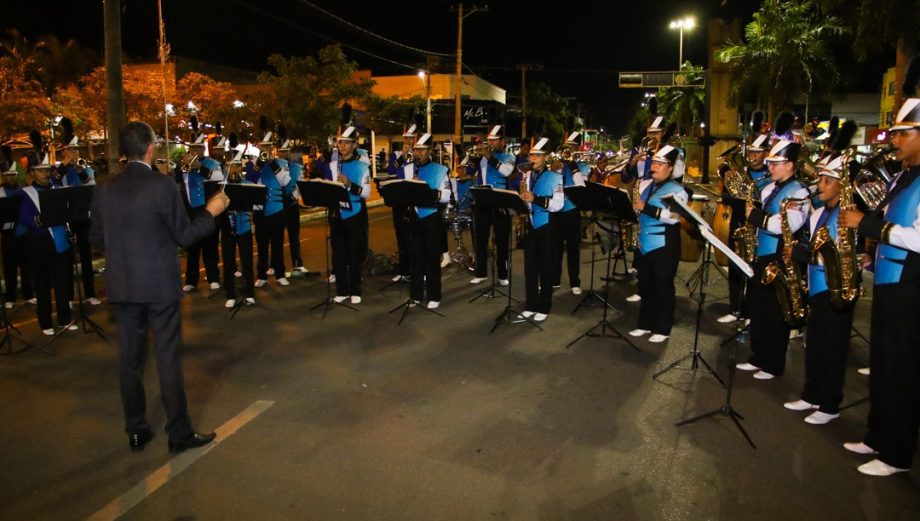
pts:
pixel 217 204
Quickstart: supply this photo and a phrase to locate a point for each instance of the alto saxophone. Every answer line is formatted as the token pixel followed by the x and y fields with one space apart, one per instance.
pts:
pixel 745 236
pixel 631 229
pixel 840 265
pixel 787 281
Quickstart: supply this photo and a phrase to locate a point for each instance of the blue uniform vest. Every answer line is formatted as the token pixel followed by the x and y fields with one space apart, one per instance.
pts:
pixel 240 222
pixel 355 171
pixel 195 185
pixel 768 243
pixel 761 178
pixel 493 176
pixel 817 280
pixel 651 230
pixel 434 174
pixel 274 201
pixel 296 170
pixel 544 186
pixel 30 209
pixel 568 179
pixel 902 210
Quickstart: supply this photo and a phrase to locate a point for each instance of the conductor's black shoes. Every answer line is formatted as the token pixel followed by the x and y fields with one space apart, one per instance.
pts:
pixel 137 440
pixel 192 442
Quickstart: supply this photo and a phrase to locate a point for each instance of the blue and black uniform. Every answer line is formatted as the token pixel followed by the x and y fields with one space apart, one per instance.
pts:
pixel 540 242
pixel 71 175
pixel 191 185
pixel 348 224
pixel 769 330
pixel 269 218
pixel 894 381
pixel 15 251
pixel 292 212
pixel 736 277
pixel 426 227
pixel 568 225
pixel 52 259
pixel 658 255
pixel 397 166
pixel 236 235
pixel 492 171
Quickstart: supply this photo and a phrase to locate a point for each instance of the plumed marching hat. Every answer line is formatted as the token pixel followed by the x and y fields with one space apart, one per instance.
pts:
pixel 424 141
pixel 667 154
pixel 541 146
pixel 784 150
pixel 909 115
pixel 759 139
pixel 349 131
pixel 657 125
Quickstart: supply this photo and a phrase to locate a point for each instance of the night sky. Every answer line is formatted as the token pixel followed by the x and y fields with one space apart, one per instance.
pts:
pixel 581 46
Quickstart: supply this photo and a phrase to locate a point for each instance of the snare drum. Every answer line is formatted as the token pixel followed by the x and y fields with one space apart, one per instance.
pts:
pixel 691 248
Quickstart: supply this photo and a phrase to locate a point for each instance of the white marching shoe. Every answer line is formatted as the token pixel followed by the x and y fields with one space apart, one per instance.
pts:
pixel 540 317
pixel 878 467
pixel 800 405
pixel 92 301
pixel 576 290
pixel 238 274
pixel 865 371
pixel 230 303
pixel 477 280
pixel 639 332
pixel 49 331
pixel 72 327
pixel 820 418
pixel 397 278
pixel 503 282
pixel 727 319
pixel 635 297
pixel 187 288
pixel 8 305
pixel 260 283
pixel 341 298
pixel 250 301
pixel 332 278
pixel 657 339
pixel 445 260
pixel 215 285
pixel 433 304
pixel 284 281
pixel 860 448
pixel 526 314
pixel 763 375
pixel 356 299
pixel 747 367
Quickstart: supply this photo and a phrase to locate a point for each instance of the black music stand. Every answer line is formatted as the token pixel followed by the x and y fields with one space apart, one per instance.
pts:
pixel 408 193
pixel 493 289
pixel 494 199
pixel 609 200
pixel 9 214
pixel 243 196
pixel 614 201
pixel 329 194
pixel 64 206
pixel 726 409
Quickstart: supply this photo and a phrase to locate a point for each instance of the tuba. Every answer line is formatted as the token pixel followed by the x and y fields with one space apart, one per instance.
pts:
pixel 787 280
pixel 840 263
pixel 873 179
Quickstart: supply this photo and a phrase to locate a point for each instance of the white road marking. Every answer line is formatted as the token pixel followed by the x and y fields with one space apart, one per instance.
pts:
pixel 140 491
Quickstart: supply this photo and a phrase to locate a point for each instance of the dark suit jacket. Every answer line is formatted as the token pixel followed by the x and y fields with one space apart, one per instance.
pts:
pixel 139 220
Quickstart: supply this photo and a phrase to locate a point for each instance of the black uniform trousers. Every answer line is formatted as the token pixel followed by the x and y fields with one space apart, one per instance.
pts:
pixel 15 252
pixel 349 249
pixel 292 225
pixel 206 248
pixel 828 338
pixel 500 222
pixel 769 331
pixel 52 270
pixel 229 243
pixel 736 278
pixel 894 382
pixel 426 255
pixel 85 250
pixel 656 271
pixel 568 234
pixel 270 243
pixel 540 247
pixel 165 319
pixel 401 227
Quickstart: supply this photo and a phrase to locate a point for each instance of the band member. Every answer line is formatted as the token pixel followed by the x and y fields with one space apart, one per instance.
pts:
pixel 13 239
pixel 291 193
pixel 493 168
pixel 49 250
pixel 69 173
pixel 659 246
pixel 541 189
pixel 769 331
pixel 399 164
pixel 236 234
pixel 568 221
pixel 349 221
pixel 269 219
pixel 894 380
pixel 191 176
pixel 426 225
pixel 828 331
pixel 757 170
pixel 640 165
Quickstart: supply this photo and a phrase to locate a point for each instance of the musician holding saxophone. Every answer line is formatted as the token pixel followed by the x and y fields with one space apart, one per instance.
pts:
pixel 829 319
pixel 894 381
pixel 658 253
pixel 769 330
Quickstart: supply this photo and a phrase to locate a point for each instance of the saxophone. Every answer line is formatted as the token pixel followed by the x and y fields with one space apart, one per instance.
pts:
pixel 745 236
pixel 787 281
pixel 840 266
pixel 631 229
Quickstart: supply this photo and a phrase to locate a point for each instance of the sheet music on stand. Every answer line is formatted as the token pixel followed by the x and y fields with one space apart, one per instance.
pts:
pixel 706 231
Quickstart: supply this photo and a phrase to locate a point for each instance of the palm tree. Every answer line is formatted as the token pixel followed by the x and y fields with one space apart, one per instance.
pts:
pixel 785 54
pixel 684 105
pixel 59 64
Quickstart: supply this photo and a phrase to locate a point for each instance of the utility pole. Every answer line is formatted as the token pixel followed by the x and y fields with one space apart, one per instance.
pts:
pixel 457 112
pixel 115 107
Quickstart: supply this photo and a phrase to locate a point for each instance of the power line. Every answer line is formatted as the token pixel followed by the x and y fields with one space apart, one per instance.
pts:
pixel 375 35
pixel 318 35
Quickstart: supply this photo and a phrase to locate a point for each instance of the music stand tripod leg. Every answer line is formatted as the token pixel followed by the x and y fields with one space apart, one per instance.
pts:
pixel 329 301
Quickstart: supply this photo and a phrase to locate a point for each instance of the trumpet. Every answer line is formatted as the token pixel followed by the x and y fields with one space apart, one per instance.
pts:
pixel 82 163
pixel 187 166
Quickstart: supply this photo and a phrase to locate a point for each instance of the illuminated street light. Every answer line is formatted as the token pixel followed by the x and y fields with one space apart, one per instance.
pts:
pixel 237 104
pixel 687 23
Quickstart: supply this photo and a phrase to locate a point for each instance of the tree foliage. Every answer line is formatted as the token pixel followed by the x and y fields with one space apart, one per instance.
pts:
pixel 683 105
pixel 542 102
pixel 388 115
pixel 785 54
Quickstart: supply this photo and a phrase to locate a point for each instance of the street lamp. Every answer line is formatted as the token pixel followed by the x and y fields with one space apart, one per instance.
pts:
pixel 684 23
pixel 425 77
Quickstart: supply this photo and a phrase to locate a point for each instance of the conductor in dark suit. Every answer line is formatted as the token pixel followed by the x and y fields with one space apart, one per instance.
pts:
pixel 139 220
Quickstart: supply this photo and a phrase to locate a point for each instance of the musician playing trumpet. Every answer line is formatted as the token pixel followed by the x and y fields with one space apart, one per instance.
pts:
pixel 659 246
